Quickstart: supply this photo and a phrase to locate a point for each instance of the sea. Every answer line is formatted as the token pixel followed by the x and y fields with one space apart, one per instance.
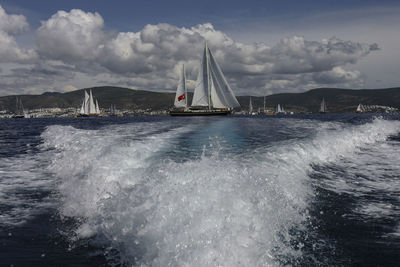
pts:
pixel 290 190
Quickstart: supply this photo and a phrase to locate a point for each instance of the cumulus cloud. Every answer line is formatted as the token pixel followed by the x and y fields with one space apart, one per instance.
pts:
pixel 71 36
pixel 151 58
pixel 11 25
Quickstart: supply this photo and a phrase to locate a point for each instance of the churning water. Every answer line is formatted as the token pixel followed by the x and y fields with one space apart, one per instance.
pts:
pixel 232 191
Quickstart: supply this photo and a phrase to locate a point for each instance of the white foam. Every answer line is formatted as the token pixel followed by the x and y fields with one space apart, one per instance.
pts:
pixel 220 209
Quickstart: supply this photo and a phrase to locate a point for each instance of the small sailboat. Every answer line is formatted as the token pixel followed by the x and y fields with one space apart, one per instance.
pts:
pixel 89 107
pixel 113 110
pixel 280 110
pixel 323 108
pixel 19 109
pixel 360 108
pixel 251 108
pixel 212 94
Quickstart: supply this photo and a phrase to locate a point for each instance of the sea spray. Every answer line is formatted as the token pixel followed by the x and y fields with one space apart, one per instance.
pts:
pixel 215 210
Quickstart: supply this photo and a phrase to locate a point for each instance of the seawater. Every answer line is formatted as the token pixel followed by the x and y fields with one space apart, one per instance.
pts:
pixel 307 190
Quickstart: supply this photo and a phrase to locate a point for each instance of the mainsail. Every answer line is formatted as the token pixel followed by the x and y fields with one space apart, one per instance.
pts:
pixel 212 89
pixel 181 94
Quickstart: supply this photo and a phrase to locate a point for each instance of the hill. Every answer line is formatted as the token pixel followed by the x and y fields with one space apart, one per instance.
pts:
pixel 338 100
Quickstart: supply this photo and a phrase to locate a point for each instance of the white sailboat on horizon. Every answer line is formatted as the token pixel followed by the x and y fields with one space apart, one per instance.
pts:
pixel 323 108
pixel 280 110
pixel 19 109
pixel 212 94
pixel 360 108
pixel 89 107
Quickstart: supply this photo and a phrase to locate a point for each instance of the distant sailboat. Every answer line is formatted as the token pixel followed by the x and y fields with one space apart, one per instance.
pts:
pixel 280 110
pixel 113 110
pixel 250 107
pixel 360 108
pixel 323 108
pixel 89 106
pixel 212 94
pixel 19 109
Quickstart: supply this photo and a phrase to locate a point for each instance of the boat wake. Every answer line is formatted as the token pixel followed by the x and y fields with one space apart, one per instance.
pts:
pixel 248 208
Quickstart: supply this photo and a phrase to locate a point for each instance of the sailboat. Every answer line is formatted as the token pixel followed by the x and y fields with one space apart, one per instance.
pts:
pixel 251 107
pixel 280 110
pixel 113 110
pixel 360 108
pixel 19 109
pixel 323 108
pixel 89 107
pixel 212 94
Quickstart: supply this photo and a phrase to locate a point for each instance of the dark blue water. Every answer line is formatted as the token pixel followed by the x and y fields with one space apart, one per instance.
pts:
pixel 311 190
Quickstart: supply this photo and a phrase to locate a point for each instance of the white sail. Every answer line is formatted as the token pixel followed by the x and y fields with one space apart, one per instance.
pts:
pixel 360 108
pixel 92 107
pixel 323 106
pixel 82 110
pixel 279 109
pixel 86 103
pixel 250 106
pixel 212 89
pixel 226 97
pixel 181 95
pixel 97 107
pixel 200 95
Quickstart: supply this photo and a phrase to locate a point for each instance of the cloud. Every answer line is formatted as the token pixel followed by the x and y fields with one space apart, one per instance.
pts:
pixel 151 58
pixel 71 36
pixel 11 25
pixel 69 88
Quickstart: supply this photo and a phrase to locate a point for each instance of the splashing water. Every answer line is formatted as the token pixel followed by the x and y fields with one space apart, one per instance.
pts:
pixel 227 206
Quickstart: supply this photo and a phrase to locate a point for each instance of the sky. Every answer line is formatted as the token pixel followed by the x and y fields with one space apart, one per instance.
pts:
pixel 262 46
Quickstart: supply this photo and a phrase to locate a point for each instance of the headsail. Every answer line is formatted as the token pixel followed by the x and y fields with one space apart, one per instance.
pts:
pixel 224 92
pixel 97 107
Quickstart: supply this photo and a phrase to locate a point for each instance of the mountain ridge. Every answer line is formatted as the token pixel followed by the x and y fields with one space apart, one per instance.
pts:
pixel 337 99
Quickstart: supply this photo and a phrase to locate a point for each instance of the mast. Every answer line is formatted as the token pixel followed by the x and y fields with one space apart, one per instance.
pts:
pixel 184 85
pixel 264 104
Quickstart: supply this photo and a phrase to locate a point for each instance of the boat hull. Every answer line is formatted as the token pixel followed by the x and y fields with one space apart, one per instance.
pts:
pixel 199 112
pixel 18 116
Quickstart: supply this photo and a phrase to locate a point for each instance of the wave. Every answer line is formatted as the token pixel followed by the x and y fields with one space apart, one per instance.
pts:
pixel 219 208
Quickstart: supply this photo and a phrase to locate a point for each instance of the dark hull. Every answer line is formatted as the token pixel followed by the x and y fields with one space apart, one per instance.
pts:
pixel 18 116
pixel 85 115
pixel 199 113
